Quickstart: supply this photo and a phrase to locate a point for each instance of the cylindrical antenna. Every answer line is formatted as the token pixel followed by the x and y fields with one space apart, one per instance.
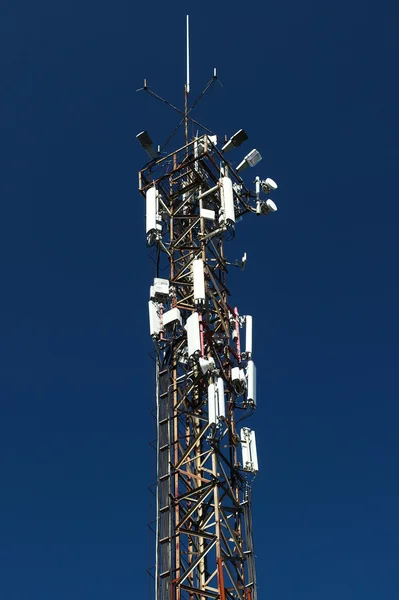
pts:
pixel 188 55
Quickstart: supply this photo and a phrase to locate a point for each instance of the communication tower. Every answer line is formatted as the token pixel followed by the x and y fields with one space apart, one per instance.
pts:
pixel 205 369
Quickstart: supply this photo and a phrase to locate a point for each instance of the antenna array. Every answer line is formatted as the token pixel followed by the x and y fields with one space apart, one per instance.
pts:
pixel 205 370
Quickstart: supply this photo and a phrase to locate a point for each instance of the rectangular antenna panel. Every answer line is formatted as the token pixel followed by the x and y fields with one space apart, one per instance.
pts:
pixel 155 321
pixel 211 404
pixel 235 374
pixel 251 376
pixel 239 379
pixel 199 281
pixel 254 452
pixel 221 402
pixel 248 336
pixel 171 317
pixel 238 375
pixel 151 210
pixel 246 457
pixel 193 335
pixel 227 201
pixel 206 364
pixel 206 213
pixel 249 451
pixel 161 287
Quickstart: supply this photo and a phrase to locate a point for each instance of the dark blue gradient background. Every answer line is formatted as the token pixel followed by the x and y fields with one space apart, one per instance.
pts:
pixel 315 85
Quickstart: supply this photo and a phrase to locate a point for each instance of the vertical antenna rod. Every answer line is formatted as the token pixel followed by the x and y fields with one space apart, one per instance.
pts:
pixel 187 86
pixel 188 55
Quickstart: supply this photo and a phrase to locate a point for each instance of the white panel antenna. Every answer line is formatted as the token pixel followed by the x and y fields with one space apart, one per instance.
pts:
pixel 239 380
pixel 254 452
pixel 172 317
pixel 249 450
pixel 246 456
pixel 216 402
pixel 193 335
pixel 221 402
pixel 251 375
pixel 151 212
pixel 161 288
pixel 206 213
pixel 248 336
pixel 199 281
pixel 227 201
pixel 155 319
pixel 206 364
pixel 211 404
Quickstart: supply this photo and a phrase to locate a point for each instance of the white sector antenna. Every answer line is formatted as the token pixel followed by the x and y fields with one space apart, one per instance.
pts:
pixel 193 335
pixel 171 317
pixel 254 452
pixel 251 376
pixel 227 201
pixel 249 451
pixel 221 403
pixel 248 335
pixel 151 212
pixel 199 281
pixel 155 320
pixel 211 404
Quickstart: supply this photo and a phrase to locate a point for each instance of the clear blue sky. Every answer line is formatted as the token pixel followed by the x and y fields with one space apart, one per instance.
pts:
pixel 315 85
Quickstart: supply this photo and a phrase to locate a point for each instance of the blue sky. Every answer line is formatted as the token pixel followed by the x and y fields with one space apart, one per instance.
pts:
pixel 315 86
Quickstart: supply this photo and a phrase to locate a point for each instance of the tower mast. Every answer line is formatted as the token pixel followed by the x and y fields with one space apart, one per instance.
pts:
pixel 205 370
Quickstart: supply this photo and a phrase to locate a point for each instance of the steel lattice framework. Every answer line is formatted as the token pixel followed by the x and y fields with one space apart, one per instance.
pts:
pixel 204 378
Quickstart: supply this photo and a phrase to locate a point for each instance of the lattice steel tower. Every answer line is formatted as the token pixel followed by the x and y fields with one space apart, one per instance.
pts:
pixel 205 373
